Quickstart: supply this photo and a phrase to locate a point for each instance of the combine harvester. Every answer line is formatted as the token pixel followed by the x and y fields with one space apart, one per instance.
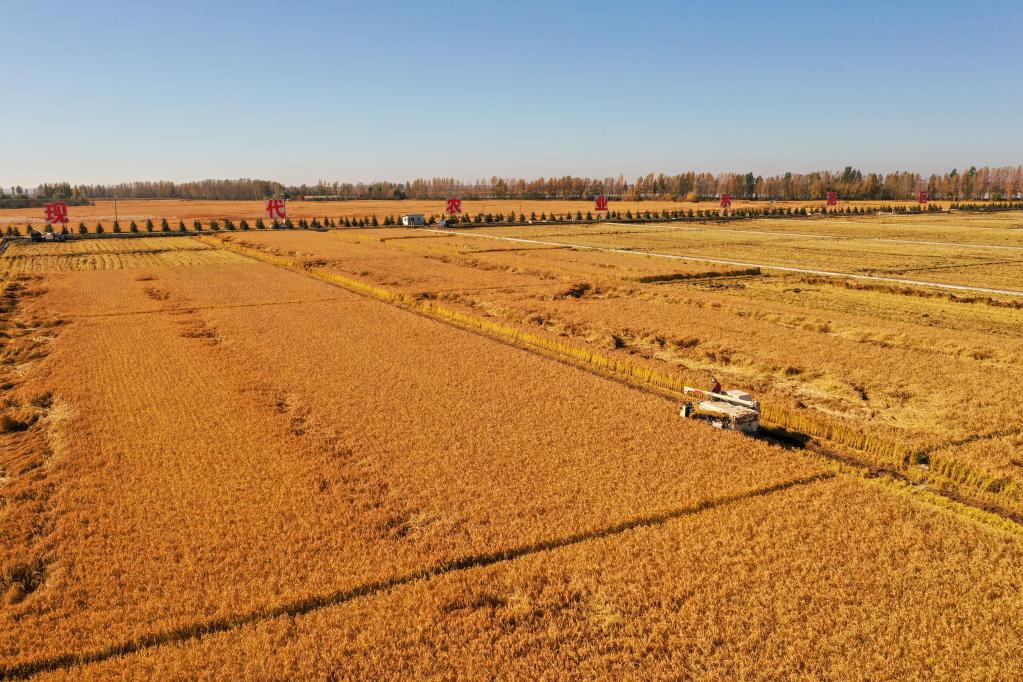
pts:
pixel 730 410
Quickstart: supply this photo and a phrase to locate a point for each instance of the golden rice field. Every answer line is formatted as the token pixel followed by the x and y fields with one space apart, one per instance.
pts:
pixel 869 356
pixel 112 254
pixel 384 454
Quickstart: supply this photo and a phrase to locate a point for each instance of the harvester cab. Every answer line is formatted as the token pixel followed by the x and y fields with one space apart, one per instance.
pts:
pixel 732 410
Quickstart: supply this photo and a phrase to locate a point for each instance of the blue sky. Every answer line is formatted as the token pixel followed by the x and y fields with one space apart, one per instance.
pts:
pixel 299 91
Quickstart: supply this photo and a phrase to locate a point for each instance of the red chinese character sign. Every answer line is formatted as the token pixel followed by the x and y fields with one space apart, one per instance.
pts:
pixel 600 202
pixel 726 201
pixel 275 209
pixel 454 206
pixel 832 198
pixel 56 212
pixel 922 198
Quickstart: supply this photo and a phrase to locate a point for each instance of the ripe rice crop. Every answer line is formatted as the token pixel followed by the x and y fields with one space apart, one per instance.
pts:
pixel 831 580
pixel 252 437
pixel 242 469
pixel 110 255
pixel 763 333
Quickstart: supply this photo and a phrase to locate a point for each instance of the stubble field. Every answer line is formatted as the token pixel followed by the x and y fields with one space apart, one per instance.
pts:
pixel 219 465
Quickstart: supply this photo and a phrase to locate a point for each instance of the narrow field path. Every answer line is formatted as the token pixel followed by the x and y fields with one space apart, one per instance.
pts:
pixel 720 261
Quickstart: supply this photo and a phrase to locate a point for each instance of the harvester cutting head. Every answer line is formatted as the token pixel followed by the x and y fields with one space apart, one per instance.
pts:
pixel 731 410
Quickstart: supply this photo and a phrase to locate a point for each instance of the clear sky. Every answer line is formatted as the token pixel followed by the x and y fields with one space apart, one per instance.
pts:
pixel 298 91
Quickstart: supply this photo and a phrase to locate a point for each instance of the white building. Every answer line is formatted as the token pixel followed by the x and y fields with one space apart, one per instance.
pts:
pixel 413 219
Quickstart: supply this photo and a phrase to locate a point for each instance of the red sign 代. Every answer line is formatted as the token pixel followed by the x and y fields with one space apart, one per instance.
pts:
pixel 454 206
pixel 726 200
pixel 922 198
pixel 56 212
pixel 832 198
pixel 275 209
pixel 600 202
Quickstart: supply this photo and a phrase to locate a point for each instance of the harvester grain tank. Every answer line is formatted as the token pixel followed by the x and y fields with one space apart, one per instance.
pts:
pixel 732 410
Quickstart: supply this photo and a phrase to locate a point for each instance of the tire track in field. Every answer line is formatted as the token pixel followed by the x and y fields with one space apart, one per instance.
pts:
pixel 222 306
pixel 317 602
pixel 763 266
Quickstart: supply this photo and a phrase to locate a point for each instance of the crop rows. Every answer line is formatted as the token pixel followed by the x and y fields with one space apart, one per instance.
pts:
pixel 243 446
pixel 892 453
pixel 885 447
pixel 834 580
pixel 20 261
pixel 259 474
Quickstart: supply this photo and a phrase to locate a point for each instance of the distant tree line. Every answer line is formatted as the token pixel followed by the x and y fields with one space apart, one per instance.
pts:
pixel 663 215
pixel 19 197
pixel 985 183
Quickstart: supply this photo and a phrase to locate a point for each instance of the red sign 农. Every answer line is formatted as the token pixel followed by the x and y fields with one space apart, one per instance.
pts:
pixel 454 206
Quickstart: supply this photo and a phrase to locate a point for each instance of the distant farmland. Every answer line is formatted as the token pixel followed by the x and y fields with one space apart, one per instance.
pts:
pixel 139 210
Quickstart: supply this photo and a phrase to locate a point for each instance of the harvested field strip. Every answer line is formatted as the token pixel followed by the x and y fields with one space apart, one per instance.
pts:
pixel 316 602
pixel 954 266
pixel 99 252
pixel 811 235
pixel 513 249
pixel 764 266
pixel 113 244
pixel 910 291
pixel 899 457
pixel 510 287
pixel 36 263
pixel 675 277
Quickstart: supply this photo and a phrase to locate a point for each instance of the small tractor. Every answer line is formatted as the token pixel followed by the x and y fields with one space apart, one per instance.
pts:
pixel 731 410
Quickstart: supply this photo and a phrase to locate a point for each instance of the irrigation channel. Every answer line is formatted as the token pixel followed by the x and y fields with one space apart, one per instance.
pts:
pixel 719 261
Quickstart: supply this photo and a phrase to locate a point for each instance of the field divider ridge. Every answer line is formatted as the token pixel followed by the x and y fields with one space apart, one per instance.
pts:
pixel 877 454
pixel 306 605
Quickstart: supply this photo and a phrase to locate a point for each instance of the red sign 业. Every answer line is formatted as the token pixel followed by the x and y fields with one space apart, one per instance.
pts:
pixel 726 200
pixel 56 212
pixel 275 209
pixel 600 202
pixel 832 198
pixel 454 206
pixel 922 198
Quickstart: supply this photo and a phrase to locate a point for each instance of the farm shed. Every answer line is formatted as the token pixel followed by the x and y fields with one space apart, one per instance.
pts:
pixel 413 219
